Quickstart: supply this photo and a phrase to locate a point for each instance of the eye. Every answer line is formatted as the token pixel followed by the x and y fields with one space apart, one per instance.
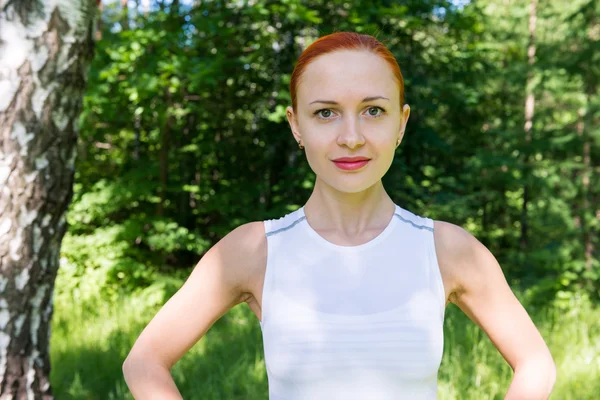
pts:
pixel 375 111
pixel 324 113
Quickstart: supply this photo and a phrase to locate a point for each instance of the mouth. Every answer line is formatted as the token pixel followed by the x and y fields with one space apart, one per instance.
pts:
pixel 350 164
pixel 351 159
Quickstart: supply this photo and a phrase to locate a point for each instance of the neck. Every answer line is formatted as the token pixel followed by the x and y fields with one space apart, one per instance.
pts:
pixel 352 213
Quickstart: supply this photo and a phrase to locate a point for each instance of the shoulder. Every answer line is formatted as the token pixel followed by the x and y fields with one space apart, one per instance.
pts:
pixel 464 261
pixel 451 240
pixel 249 236
pixel 244 251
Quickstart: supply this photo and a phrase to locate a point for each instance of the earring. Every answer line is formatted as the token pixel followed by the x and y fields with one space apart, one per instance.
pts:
pixel 398 142
pixel 300 146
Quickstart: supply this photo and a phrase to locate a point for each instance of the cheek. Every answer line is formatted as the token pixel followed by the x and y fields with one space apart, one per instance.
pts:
pixel 382 134
pixel 318 134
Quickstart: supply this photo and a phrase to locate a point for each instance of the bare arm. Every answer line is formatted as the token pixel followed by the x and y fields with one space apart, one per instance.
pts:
pixel 480 290
pixel 219 282
pixel 149 380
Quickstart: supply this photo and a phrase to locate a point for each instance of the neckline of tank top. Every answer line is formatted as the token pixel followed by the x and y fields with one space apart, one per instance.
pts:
pixel 377 239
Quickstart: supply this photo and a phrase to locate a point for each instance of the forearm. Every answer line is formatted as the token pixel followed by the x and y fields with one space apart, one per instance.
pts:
pixel 149 380
pixel 532 381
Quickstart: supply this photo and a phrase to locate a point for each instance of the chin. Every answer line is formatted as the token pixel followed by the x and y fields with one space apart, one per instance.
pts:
pixel 348 186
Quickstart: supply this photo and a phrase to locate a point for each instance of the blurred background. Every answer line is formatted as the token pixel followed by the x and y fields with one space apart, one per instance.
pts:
pixel 183 137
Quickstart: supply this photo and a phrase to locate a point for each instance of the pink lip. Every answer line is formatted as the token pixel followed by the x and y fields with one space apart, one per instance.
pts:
pixel 350 166
pixel 351 159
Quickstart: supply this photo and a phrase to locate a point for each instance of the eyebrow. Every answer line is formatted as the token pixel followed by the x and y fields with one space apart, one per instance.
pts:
pixel 363 101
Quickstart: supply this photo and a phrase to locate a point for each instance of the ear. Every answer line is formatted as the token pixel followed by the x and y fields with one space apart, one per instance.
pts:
pixel 291 117
pixel 405 115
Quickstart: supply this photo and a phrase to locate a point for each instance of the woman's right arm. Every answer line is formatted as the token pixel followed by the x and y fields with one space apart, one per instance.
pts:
pixel 220 281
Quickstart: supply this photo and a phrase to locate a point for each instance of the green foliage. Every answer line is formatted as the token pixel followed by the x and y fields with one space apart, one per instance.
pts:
pixel 184 136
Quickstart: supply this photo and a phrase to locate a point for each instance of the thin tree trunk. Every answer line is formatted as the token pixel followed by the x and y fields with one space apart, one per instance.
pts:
pixel 590 126
pixel 42 83
pixel 529 112
pixel 137 128
pixel 187 166
pixel 99 25
pixel 583 208
pixel 124 15
pixel 165 137
pixel 586 211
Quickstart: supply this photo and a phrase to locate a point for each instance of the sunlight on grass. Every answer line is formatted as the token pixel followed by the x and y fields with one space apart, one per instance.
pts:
pixel 91 340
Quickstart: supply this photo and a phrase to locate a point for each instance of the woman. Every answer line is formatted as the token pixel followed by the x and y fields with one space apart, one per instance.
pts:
pixel 350 289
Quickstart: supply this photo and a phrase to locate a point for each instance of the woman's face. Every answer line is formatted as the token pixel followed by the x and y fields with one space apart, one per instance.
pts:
pixel 348 105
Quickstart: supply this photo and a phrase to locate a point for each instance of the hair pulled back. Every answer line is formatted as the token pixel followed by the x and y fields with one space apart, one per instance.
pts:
pixel 344 41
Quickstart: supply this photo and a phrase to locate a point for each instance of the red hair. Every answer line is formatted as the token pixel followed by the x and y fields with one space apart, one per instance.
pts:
pixel 344 41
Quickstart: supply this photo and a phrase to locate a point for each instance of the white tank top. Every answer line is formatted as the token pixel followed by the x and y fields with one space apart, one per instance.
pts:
pixel 352 322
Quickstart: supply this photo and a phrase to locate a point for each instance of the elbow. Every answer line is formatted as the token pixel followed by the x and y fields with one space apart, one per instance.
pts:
pixel 136 362
pixel 547 370
pixel 534 379
pixel 131 364
pixel 128 362
pixel 549 381
pixel 126 368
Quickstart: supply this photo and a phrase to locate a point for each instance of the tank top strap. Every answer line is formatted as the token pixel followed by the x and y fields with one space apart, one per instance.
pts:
pixel 427 226
pixel 274 232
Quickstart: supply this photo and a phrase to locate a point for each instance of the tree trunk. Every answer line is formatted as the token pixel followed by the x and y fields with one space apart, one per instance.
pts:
pixel 99 26
pixel 529 110
pixel 590 127
pixel 586 209
pixel 124 15
pixel 583 206
pixel 163 156
pixel 45 51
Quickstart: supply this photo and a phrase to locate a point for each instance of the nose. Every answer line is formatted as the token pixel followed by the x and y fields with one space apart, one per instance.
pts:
pixel 350 133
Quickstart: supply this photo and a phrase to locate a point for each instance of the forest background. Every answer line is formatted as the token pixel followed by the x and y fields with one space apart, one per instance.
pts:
pixel 183 137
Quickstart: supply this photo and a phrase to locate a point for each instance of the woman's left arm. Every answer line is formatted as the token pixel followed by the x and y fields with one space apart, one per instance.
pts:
pixel 480 290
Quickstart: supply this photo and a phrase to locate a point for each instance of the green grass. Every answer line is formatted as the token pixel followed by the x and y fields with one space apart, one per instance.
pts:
pixel 91 339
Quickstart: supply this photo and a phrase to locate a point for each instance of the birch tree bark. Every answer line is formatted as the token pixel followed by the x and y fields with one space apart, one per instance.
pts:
pixel 45 50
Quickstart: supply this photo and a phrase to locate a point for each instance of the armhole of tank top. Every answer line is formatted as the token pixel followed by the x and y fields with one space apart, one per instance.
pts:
pixel 435 266
pixel 267 279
